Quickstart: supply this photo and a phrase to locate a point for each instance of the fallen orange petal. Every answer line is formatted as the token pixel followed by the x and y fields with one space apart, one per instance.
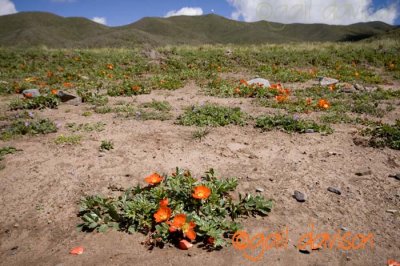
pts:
pixel 76 251
pixel 393 263
pixel 185 245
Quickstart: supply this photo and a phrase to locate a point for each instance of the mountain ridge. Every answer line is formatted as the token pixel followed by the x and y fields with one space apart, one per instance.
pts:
pixel 27 29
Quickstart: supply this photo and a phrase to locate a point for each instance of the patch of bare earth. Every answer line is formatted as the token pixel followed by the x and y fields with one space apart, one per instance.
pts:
pixel 40 187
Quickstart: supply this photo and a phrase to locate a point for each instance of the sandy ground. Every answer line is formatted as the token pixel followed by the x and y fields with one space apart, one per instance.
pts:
pixel 41 185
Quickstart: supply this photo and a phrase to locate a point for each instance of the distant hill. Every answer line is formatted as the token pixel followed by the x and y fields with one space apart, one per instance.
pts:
pixel 27 29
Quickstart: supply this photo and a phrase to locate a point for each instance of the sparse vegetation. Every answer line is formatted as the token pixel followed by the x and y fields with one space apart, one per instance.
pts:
pixel 290 124
pixel 28 127
pixel 106 145
pixel 385 135
pixel 212 115
pixel 68 140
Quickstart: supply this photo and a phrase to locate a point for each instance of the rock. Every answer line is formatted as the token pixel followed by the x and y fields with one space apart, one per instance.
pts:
pixel 345 229
pixel 324 81
pixel 65 97
pixel 392 211
pixel 228 52
pixel 259 189
pixel 397 176
pixel 346 88
pixel 300 197
pixel 334 190
pixel 364 172
pixel 359 87
pixel 31 93
pixel 264 82
pixel 309 131
pixel 77 101
pixel 370 89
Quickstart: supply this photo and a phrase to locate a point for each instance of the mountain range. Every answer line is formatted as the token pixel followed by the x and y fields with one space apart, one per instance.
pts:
pixel 27 29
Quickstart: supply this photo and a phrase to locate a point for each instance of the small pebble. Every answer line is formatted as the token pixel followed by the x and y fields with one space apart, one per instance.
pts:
pixel 392 211
pixel 310 131
pixel 334 190
pixel 300 197
pixel 363 173
pixel 259 189
pixel 397 177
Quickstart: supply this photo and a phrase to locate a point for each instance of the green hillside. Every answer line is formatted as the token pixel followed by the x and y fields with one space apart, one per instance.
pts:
pixel 38 28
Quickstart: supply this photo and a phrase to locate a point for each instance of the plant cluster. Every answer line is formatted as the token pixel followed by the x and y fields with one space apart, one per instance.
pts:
pixel 176 208
pixel 385 135
pixel 28 127
pixel 40 102
pixel 212 115
pixel 290 124
pixel 106 145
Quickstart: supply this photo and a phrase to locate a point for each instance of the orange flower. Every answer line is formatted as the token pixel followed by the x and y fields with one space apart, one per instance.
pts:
pixel 67 84
pixel 164 202
pixel 393 263
pixel 153 179
pixel 276 86
pixel 332 87
pixel 201 192
pixel 110 66
pixel 163 214
pixel 324 104
pixel 49 74
pixel 237 91
pixel 281 98
pixel 308 101
pixel 54 92
pixel 243 82
pixel 136 88
pixel 179 223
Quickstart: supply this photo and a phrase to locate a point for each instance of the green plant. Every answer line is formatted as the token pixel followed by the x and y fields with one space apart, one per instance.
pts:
pixel 290 124
pixel 87 127
pixel 106 145
pixel 385 135
pixel 212 115
pixel 173 208
pixel 22 127
pixel 158 105
pixel 200 133
pixel 68 140
pixel 7 150
pixel 40 102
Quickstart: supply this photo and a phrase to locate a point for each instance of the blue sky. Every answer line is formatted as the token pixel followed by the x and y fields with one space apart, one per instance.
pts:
pixel 121 12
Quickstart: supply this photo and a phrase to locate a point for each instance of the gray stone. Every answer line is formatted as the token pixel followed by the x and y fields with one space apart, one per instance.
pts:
pixel 324 81
pixel 392 211
pixel 264 82
pixel 334 190
pixel 397 176
pixel 346 88
pixel 259 189
pixel 31 93
pixel 300 197
pixel 309 131
pixel 359 87
pixel 65 97
pixel 364 172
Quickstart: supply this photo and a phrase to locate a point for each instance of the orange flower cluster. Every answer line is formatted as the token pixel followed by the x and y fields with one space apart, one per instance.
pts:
pixel 283 94
pixel 179 223
pixel 110 66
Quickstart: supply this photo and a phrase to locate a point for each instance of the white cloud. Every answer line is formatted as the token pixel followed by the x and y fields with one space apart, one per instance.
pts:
pixel 7 7
pixel 313 11
pixel 100 20
pixel 185 11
